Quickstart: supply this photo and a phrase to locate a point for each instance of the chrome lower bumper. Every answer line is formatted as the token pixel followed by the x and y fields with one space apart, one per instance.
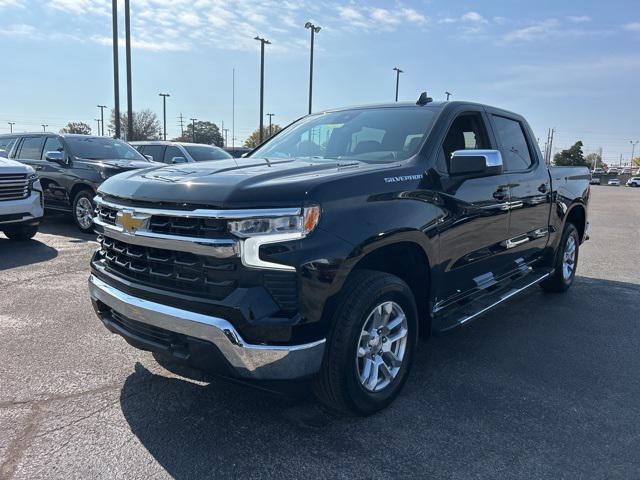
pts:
pixel 261 362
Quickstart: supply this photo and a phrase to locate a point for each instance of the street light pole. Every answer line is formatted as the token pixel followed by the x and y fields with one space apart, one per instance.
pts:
pixel 270 115
pixel 263 42
pixel 127 32
pixel 116 74
pixel 193 129
pixel 164 114
pixel 633 152
pixel 11 124
pixel 44 127
pixel 314 29
pixel 98 120
pixel 398 72
pixel 448 94
pixel 102 107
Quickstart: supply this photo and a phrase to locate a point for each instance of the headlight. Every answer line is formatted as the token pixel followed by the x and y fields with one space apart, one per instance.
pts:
pixel 34 182
pixel 302 224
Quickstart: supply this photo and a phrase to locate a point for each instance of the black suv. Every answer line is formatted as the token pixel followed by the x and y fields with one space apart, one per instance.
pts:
pixel 71 167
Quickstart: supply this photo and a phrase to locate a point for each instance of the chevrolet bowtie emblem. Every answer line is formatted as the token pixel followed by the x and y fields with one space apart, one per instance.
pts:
pixel 130 221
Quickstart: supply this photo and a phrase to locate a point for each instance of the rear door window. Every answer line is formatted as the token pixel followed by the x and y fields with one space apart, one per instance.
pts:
pixel 31 148
pixel 155 151
pixel 516 153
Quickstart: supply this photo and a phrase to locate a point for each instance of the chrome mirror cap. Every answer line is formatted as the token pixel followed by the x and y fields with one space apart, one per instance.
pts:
pixel 476 162
pixel 54 156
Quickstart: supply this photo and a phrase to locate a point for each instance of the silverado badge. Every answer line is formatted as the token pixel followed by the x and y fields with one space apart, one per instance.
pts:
pixel 130 221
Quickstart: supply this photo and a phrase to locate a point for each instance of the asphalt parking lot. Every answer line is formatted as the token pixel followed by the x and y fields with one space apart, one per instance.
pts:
pixel 546 386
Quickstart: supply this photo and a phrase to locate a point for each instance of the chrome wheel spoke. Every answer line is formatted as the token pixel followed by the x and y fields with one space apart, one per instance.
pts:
pixel 381 346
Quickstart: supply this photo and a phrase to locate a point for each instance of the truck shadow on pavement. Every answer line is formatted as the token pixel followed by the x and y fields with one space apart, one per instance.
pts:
pixel 544 386
pixel 18 253
pixel 62 225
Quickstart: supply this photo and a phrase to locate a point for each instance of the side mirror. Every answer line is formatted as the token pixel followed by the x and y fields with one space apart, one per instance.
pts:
pixel 149 157
pixel 244 155
pixel 178 160
pixel 55 156
pixel 477 163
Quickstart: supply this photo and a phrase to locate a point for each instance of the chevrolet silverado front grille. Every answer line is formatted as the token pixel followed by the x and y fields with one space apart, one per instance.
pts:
pixel 14 186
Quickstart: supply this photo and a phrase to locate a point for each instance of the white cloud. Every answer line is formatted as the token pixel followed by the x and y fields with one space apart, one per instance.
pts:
pixel 473 17
pixel 550 28
pixel 11 3
pixel 379 18
pixel 19 30
pixel 150 45
pixel 579 19
pixel 632 27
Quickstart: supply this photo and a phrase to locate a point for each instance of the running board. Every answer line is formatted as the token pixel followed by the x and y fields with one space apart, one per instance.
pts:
pixel 456 317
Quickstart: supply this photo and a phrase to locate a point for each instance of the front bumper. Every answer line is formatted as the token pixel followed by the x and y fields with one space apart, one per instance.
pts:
pixel 250 361
pixel 25 211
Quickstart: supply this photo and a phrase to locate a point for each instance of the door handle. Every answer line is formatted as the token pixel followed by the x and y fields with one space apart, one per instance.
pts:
pixel 501 194
pixel 38 167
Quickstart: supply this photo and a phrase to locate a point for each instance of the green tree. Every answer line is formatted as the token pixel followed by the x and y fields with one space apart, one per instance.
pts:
pixel 253 140
pixel 636 161
pixel 146 125
pixel 572 157
pixel 77 127
pixel 205 132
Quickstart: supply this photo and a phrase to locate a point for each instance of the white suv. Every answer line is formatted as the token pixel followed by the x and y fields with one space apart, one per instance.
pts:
pixel 633 182
pixel 21 205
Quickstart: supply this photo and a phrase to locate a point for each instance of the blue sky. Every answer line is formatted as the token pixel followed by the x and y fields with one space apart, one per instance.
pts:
pixel 573 65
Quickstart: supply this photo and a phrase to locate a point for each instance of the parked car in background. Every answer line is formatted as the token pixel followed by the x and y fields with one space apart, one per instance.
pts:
pixel 325 253
pixel 613 171
pixel 21 204
pixel 71 167
pixel 595 181
pixel 179 152
pixel 633 182
pixel 614 182
pixel 598 171
pixel 237 152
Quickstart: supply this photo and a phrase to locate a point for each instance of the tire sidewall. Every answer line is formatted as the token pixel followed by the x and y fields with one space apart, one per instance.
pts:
pixel 369 402
pixel 81 194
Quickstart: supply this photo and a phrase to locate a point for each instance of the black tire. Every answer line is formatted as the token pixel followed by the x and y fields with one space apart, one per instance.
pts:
pixel 338 385
pixel 79 206
pixel 559 282
pixel 21 232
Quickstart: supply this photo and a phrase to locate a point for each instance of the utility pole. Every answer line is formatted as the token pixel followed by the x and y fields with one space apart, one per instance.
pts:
pixel 553 130
pixel 193 129
pixel 181 125
pixel 116 74
pixel 448 94
pixel 44 127
pixel 11 124
pixel 633 152
pixel 98 120
pixel 127 31
pixel 398 72
pixel 271 115
pixel 233 108
pixel 102 107
pixel 164 114
pixel 225 131
pixel 314 29
pixel 263 42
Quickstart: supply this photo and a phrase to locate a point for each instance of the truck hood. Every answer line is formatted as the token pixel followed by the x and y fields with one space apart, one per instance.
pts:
pixel 122 164
pixel 11 166
pixel 231 183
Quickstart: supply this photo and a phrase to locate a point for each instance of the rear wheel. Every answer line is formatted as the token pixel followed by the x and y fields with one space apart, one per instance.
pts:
pixel 566 261
pixel 83 210
pixel 370 349
pixel 22 232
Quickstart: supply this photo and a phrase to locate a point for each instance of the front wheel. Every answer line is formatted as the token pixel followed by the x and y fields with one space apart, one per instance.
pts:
pixel 21 232
pixel 83 210
pixel 370 349
pixel 566 261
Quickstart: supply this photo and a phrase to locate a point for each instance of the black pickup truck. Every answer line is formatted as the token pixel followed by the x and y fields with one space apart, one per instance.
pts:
pixel 70 167
pixel 330 249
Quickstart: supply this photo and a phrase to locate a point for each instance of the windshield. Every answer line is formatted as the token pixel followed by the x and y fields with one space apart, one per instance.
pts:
pixel 201 153
pixel 102 148
pixel 370 135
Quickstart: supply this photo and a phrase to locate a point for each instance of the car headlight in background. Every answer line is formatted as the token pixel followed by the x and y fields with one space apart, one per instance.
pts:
pixel 299 225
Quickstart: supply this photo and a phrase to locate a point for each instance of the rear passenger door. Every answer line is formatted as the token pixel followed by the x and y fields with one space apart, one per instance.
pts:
pixel 529 187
